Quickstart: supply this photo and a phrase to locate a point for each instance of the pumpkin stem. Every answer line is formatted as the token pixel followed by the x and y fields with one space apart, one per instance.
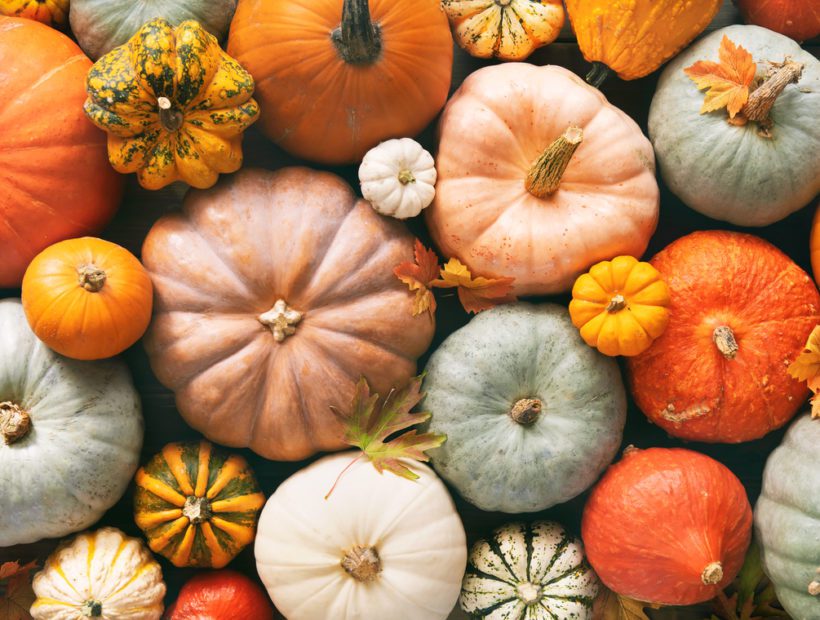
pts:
pixel 197 509
pixel 15 422
pixel 814 586
pixel 169 117
pixel 362 563
pixel 281 319
pixel 712 574
pixel 724 339
pixel 761 100
pixel 616 304
pixel 357 39
pixel 528 593
pixel 597 74
pixel 545 174
pixel 91 609
pixel 91 277
pixel 526 411
pixel 406 176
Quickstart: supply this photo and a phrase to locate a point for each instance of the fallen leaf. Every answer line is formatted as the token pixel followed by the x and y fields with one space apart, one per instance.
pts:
pixel 16 595
pixel 418 276
pixel 611 606
pixel 807 368
pixel 476 294
pixel 727 82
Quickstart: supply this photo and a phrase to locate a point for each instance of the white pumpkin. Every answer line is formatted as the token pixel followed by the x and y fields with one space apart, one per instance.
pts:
pixel 70 435
pixel 103 574
pixel 398 178
pixel 380 546
pixel 529 571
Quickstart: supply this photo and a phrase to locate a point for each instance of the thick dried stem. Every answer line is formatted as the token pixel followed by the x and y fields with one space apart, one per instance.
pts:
pixel 281 319
pixel 169 117
pixel 362 563
pixel 15 422
pixel 526 411
pixel 545 174
pixel 616 304
pixel 724 339
pixel 712 574
pixel 197 509
pixel 357 39
pixel 762 99
pixel 91 278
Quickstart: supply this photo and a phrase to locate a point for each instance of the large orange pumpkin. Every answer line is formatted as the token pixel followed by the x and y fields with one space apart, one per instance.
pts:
pixel 55 180
pixel 336 77
pixel 814 244
pixel 668 526
pixel 275 292
pixel 740 313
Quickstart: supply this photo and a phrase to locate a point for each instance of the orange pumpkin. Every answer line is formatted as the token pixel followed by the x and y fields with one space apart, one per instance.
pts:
pixel 87 298
pixel 49 12
pixel 336 77
pixel 740 313
pixel 798 19
pixel 814 244
pixel 55 180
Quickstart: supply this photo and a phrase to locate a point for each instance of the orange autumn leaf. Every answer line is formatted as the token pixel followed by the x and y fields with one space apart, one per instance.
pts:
pixel 418 276
pixel 16 594
pixel 476 294
pixel 727 82
pixel 807 368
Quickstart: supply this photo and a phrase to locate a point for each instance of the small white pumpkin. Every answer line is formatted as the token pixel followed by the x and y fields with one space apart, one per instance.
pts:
pixel 398 178
pixel 529 571
pixel 103 574
pixel 379 546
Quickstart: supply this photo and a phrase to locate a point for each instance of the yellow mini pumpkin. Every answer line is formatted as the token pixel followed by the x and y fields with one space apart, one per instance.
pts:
pixel 49 12
pixel 620 306
pixel 174 105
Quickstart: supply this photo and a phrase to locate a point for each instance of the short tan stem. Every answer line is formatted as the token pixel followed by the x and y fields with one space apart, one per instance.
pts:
pixel 405 177
pixel 761 100
pixel 526 411
pixel 197 509
pixel 724 339
pixel 15 422
pixel 169 117
pixel 362 563
pixel 91 278
pixel 546 172
pixel 281 319
pixel 616 304
pixel 712 574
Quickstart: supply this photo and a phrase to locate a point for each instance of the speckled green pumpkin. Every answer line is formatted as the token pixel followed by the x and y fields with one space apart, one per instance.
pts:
pixel 529 572
pixel 787 520
pixel 532 414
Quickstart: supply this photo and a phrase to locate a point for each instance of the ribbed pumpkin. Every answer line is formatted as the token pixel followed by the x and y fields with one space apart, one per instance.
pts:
pixel 174 105
pixel 55 181
pixel 798 19
pixel 740 312
pixel 197 505
pixel 635 38
pixel 87 298
pixel 49 12
pixel 668 526
pixel 366 71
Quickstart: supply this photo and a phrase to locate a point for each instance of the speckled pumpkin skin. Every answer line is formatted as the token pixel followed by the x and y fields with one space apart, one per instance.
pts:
pixel 475 377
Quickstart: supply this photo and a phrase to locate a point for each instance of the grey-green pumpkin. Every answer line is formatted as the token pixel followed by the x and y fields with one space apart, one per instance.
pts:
pixel 532 414
pixel 787 520
pixel 102 25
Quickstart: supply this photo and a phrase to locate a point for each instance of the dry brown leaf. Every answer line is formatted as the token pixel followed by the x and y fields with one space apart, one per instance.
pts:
pixel 418 276
pixel 16 595
pixel 611 606
pixel 476 294
pixel 727 82
pixel 807 368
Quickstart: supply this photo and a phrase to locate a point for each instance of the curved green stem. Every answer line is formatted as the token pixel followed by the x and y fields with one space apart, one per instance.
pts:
pixel 597 74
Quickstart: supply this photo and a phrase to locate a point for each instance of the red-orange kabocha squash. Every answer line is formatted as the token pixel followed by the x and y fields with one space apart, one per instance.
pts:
pixel 336 77
pixel 55 180
pixel 798 19
pixel 740 313
pixel 668 526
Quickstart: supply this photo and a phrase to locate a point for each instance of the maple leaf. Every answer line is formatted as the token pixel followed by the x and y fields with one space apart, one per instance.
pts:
pixel 807 368
pixel 476 294
pixel 16 594
pixel 611 606
pixel 727 82
pixel 418 276
pixel 369 426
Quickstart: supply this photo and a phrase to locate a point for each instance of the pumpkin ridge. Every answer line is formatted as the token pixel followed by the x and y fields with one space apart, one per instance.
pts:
pixel 495 546
pixel 52 211
pixel 172 456
pixel 472 570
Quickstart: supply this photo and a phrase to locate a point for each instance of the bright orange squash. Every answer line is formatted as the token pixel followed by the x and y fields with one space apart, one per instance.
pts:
pixel 49 12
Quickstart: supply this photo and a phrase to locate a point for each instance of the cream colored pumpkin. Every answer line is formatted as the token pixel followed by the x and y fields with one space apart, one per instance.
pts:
pixel 380 546
pixel 103 574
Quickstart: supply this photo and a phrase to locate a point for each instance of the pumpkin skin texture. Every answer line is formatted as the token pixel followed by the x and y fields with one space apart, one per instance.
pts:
pixel 102 25
pixel 245 369
pixel 532 414
pixel 87 298
pixel 174 105
pixel 103 574
pixel 814 244
pixel 66 402
pixel 197 505
pixel 389 547
pixel 48 12
pixel 542 573
pixel 221 595
pixel 797 19
pixel 740 313
pixel 56 198
pixel 635 38
pixel 492 131
pixel 787 523
pixel 331 110
pixel 728 172
pixel 641 549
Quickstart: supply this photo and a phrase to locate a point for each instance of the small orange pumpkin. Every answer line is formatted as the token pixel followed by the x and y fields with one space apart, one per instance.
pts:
pixel 48 12
pixel 87 298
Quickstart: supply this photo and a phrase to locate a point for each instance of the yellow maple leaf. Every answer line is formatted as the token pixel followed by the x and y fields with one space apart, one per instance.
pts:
pixel 611 606
pixel 727 82
pixel 807 368
pixel 475 293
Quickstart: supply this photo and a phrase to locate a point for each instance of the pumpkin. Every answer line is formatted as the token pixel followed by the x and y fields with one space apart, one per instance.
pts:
pixel 49 12
pixel 532 571
pixel 506 29
pixel 87 298
pixel 398 178
pixel 539 178
pixel 740 312
pixel 367 71
pixel 274 294
pixel 55 181
pixel 787 524
pixel 196 504
pixel 102 25
pixel 620 306
pixel 635 38
pixel 70 435
pixel 103 574
pixel 532 414
pixel 174 105
pixel 389 547
pixel 731 172
pixel 667 526
pixel 798 19
pixel 814 244
pixel 221 595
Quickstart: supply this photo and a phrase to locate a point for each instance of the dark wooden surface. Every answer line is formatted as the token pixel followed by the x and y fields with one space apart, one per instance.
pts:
pixel 141 208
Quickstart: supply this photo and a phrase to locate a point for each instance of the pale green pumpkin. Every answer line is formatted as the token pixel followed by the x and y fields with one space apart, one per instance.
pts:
pixel 531 413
